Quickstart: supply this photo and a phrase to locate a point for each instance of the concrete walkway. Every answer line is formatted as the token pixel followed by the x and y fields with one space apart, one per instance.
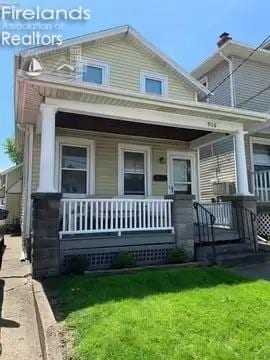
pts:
pixel 254 271
pixel 19 334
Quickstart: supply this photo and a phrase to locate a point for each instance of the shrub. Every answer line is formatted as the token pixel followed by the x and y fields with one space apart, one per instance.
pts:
pixel 177 256
pixel 10 229
pixel 77 264
pixel 123 260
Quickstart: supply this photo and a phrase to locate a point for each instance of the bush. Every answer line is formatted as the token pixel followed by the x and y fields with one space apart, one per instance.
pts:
pixel 123 260
pixel 77 264
pixel 10 229
pixel 177 256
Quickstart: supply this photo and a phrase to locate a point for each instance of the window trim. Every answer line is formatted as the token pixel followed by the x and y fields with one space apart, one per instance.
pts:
pixel 94 63
pixel 154 76
pixel 90 177
pixel 147 168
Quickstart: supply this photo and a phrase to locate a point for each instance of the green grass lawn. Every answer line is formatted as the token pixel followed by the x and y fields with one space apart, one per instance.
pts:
pixel 191 313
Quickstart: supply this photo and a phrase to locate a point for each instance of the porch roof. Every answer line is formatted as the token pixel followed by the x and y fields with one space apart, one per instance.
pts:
pixel 92 123
pixel 75 97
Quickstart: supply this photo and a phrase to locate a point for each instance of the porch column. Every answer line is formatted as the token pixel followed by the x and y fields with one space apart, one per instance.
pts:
pixel 182 220
pixel 241 164
pixel 47 151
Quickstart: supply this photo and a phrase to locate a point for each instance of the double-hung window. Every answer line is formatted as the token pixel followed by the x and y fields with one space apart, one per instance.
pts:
pixel 76 166
pixel 134 170
pixel 93 72
pixel 154 84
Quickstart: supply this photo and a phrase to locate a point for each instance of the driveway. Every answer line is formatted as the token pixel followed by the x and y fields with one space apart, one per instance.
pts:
pixel 19 334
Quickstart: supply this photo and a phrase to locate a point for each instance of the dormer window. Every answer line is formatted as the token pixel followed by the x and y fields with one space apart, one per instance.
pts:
pixel 154 84
pixel 93 72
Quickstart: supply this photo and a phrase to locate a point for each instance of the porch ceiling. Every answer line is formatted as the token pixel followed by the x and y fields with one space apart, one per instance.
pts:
pixel 85 122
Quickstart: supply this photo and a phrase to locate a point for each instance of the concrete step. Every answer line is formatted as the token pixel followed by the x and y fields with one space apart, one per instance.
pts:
pixel 234 248
pixel 226 250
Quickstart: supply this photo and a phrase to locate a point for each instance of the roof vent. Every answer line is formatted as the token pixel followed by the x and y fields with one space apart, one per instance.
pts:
pixel 223 38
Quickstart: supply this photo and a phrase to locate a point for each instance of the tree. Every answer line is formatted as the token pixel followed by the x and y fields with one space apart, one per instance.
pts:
pixel 11 151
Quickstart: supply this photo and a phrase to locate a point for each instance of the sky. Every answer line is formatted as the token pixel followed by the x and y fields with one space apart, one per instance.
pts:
pixel 187 31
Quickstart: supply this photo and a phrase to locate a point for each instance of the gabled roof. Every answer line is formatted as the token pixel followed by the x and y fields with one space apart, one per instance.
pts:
pixel 120 32
pixel 14 167
pixel 230 48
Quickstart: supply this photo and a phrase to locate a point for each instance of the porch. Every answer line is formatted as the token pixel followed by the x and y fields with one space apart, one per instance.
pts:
pixel 125 182
pixel 261 185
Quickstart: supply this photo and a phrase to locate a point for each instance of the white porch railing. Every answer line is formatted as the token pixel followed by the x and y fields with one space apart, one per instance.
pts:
pixel 261 183
pixel 222 212
pixel 86 216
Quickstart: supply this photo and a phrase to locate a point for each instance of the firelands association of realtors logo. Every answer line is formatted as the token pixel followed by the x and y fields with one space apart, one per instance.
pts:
pixel 36 26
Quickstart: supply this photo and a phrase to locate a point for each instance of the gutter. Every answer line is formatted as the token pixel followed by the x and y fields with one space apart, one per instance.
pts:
pixel 142 98
pixel 232 91
pixel 259 128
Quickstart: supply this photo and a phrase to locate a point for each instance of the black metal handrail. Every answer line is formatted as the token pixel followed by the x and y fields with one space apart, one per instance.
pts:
pixel 205 223
pixel 245 224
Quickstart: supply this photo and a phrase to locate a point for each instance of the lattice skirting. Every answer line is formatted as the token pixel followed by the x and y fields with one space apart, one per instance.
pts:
pixel 263 224
pixel 102 259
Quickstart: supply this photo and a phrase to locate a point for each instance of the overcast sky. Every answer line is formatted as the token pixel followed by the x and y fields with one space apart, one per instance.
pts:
pixel 186 30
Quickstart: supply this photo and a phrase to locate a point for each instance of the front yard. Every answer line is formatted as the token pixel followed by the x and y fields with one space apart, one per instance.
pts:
pixel 192 313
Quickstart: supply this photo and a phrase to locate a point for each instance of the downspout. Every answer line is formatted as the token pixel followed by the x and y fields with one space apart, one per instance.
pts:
pixel 233 105
pixel 232 92
pixel 29 181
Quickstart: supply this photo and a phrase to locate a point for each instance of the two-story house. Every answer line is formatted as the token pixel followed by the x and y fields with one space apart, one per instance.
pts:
pixel 238 76
pixel 110 128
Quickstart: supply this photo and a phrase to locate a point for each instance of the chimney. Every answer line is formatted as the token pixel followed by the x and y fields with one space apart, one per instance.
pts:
pixel 223 38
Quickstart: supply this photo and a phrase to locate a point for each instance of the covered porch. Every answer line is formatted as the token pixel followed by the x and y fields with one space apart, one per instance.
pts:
pixel 123 172
pixel 116 167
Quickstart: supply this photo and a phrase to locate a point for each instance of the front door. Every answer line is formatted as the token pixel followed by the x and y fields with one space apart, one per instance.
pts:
pixel 181 173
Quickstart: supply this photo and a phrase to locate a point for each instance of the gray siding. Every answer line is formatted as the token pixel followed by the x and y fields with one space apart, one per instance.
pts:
pixel 250 79
pixel 217 164
pixel 222 95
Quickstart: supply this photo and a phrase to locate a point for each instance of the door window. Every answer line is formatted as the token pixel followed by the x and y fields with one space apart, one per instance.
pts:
pixel 181 176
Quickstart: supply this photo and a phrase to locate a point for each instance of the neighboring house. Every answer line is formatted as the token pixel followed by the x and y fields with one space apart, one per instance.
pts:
pixel 110 128
pixel 11 193
pixel 247 88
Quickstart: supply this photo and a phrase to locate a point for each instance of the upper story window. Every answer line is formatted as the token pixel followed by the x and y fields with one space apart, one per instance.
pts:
pixel 93 71
pixel 154 84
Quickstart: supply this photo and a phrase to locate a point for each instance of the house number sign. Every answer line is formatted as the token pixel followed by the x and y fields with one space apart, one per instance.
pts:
pixel 212 124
